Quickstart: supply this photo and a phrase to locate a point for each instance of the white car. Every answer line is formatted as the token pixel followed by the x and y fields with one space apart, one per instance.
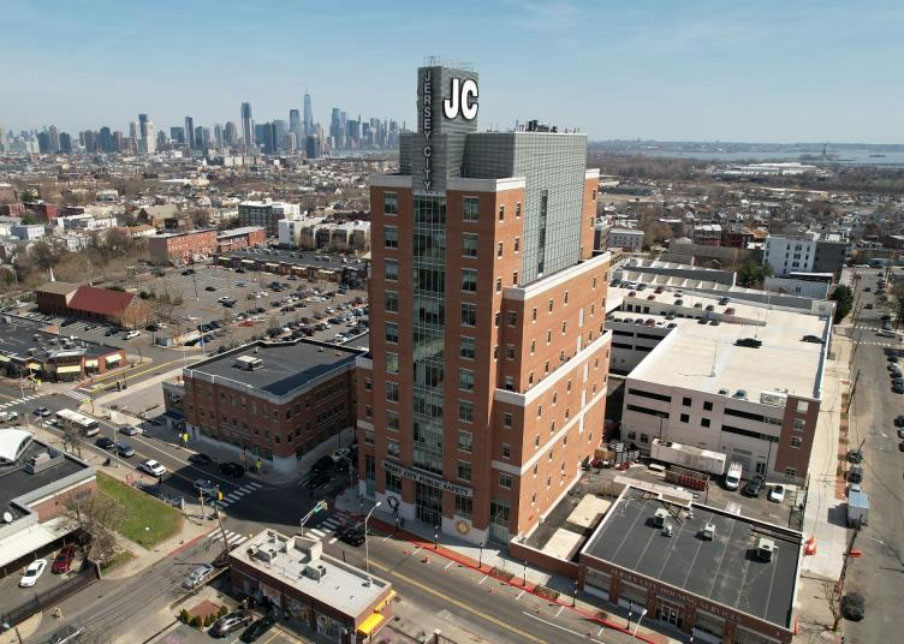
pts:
pixel 341 453
pixel 32 572
pixel 152 467
pixel 131 335
pixel 777 493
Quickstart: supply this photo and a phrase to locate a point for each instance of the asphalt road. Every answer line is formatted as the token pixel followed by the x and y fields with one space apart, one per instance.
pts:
pixel 879 572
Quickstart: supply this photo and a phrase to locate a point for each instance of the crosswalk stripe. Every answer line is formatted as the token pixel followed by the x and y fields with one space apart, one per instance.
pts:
pixel 316 533
pixel 254 485
pixel 231 498
pixel 239 492
pixel 333 540
pixel 330 523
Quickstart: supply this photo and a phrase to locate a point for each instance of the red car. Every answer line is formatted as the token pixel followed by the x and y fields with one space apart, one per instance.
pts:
pixel 63 560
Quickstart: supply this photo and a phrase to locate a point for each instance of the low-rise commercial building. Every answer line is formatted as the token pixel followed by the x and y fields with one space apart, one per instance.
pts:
pixel 276 401
pixel 628 239
pixel 238 238
pixel 338 601
pixel 267 214
pixel 37 483
pixel 182 248
pixel 717 576
pixel 91 303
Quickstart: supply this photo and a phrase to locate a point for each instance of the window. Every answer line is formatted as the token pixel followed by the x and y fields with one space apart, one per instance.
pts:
pixel 367 384
pixel 466 380
pixel 515 278
pixel 392 332
pixel 392 420
pixel 499 249
pixel 464 506
pixel 533 314
pixel 498 284
pixel 533 347
pixel 686 401
pixel 707 406
pixel 505 481
pixel 392 447
pixel 550 305
pixel 802 406
pixel 510 352
pixel 393 483
pixel 390 237
pixel 469 244
pixel 469 314
pixel 705 422
pixel 465 441
pixel 684 418
pixel 465 411
pixel 392 391
pixel 796 442
pixel 512 318
pixel 506 451
pixel 468 348
pixel 391 268
pixel 464 471
pixel 800 424
pixel 470 208
pixel 790 471
pixel 368 411
pixel 518 209
pixel 507 420
pixel 392 362
pixel 566 297
pixel 368 437
pixel 502 213
pixel 517 244
pixel 390 203
pixel 469 280
pixel 391 299
pixel 509 383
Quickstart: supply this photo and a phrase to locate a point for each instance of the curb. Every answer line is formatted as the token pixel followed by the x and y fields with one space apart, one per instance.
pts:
pixel 489 571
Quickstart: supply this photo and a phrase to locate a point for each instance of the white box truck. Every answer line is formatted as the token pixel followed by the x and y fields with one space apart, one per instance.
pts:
pixel 687 456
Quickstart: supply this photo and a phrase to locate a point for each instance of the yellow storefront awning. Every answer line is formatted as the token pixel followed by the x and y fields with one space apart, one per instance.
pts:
pixel 114 358
pixel 34 366
pixel 69 369
pixel 4 358
pixel 371 624
pixel 90 363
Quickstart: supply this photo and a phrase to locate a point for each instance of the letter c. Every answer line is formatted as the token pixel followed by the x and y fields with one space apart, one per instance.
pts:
pixel 469 99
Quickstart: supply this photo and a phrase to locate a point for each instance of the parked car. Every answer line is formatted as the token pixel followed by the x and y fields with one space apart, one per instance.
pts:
pixel 754 486
pixel 42 412
pixel 777 493
pixel 340 454
pixel 258 628
pixel 152 467
pixel 105 443
pixel 197 577
pixel 322 464
pixel 210 289
pixel 853 607
pixel 899 421
pixel 124 449
pixel 32 572
pixel 131 335
pixel 230 623
pixel 200 459
pixel 64 559
pixel 317 480
pixel 231 469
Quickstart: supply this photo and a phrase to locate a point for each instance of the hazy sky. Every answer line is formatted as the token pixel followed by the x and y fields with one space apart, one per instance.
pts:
pixel 730 70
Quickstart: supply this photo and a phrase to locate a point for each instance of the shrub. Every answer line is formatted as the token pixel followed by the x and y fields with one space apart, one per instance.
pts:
pixel 195 622
pixel 223 611
pixel 184 616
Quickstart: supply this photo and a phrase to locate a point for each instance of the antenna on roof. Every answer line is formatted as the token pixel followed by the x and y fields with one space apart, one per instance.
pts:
pixel 712 373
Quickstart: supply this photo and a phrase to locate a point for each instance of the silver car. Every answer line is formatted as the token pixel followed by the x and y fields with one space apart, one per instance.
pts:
pixel 197 577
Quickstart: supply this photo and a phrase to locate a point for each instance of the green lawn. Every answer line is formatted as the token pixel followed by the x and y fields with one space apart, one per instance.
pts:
pixel 121 557
pixel 146 520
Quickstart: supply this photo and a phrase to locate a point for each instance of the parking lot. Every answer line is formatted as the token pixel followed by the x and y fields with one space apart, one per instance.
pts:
pixel 259 304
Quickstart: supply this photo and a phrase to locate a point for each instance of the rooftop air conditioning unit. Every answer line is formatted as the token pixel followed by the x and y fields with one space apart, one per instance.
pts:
pixel 765 549
pixel 709 532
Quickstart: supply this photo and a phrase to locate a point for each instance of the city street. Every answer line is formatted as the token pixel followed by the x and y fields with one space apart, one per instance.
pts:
pixel 879 572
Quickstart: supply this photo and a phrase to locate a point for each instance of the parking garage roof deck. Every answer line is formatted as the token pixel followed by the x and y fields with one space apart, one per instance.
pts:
pixel 724 570
pixel 285 366
pixel 17 336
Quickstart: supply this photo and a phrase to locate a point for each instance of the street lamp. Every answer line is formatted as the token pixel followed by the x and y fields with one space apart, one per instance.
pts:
pixel 642 613
pixel 366 544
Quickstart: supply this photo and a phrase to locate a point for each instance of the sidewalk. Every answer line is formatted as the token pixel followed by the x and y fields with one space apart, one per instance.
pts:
pixel 825 512
pixel 493 561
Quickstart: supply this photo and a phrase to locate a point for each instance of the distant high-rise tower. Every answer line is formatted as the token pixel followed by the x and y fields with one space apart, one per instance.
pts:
pixel 147 143
pixel 190 132
pixel 177 134
pixel 230 134
pixel 105 139
pixel 308 114
pixel 247 128
pixel 295 127
pixel 218 136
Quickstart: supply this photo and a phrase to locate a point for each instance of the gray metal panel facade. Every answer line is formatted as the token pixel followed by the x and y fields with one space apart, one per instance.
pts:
pixel 550 162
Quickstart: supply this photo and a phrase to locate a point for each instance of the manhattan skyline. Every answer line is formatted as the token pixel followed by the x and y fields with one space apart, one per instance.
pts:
pixel 654 70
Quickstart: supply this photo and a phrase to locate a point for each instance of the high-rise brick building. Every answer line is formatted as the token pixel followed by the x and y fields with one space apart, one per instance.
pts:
pixel 485 385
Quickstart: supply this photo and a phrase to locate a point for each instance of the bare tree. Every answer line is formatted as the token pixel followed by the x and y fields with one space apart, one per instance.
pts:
pixel 72 439
pixel 833 601
pixel 96 517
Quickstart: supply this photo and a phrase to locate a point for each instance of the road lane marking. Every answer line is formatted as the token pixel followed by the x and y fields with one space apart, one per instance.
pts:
pixel 520 595
pixel 427 589
pixel 561 608
pixel 480 583
pixel 600 632
pixel 448 564
pixel 561 628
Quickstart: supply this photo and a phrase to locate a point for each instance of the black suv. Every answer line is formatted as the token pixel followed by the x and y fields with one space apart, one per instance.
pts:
pixel 231 469
pixel 754 486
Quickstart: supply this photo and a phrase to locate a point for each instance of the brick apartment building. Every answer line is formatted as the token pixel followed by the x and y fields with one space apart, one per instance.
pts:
pixel 267 214
pixel 238 238
pixel 182 248
pixel 92 303
pixel 273 400
pixel 484 282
